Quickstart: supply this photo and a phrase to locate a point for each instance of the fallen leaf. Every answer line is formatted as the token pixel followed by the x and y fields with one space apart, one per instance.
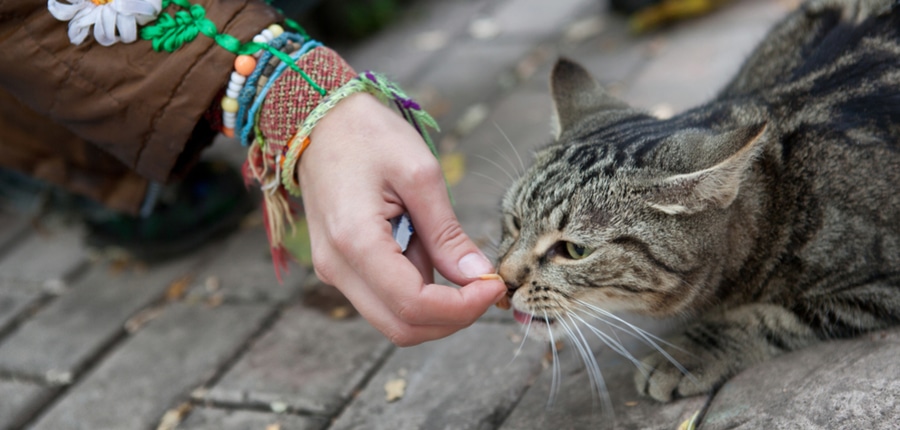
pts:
pixel 631 404
pixel 178 288
pixel 340 312
pixel 212 284
pixel 173 417
pixel 143 317
pixel 484 28
pixel 690 423
pixel 215 300
pixel 275 426
pixel 394 389
pixel 471 118
pixel 585 29
pixel 454 166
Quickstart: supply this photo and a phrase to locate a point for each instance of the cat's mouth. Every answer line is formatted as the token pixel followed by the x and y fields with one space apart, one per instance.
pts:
pixel 526 318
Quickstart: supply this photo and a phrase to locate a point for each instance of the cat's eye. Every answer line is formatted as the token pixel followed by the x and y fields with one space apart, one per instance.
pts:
pixel 577 252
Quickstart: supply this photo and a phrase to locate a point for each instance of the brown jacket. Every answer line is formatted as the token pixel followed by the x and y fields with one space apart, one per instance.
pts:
pixel 99 120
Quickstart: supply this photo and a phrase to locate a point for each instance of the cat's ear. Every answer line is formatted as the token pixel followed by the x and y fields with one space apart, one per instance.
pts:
pixel 713 187
pixel 576 94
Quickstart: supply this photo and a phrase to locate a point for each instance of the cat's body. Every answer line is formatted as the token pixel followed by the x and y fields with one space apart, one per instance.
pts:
pixel 770 214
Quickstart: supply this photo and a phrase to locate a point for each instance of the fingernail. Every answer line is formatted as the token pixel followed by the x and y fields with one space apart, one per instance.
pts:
pixel 474 265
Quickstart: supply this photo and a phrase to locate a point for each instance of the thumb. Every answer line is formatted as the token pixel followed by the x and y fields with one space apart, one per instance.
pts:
pixel 453 253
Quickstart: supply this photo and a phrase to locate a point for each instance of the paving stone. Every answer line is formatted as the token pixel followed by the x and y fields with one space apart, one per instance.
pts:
pixel 492 161
pixel 576 407
pixel 12 228
pixel 416 39
pixel 448 83
pixel 309 361
pixel 849 384
pixel 614 57
pixel 156 369
pixel 697 58
pixel 19 400
pixel 49 256
pixel 537 17
pixel 58 341
pixel 220 419
pixel 242 270
pixel 13 303
pixel 467 381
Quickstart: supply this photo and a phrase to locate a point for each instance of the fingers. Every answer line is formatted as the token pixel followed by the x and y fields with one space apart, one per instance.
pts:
pixel 424 194
pixel 397 281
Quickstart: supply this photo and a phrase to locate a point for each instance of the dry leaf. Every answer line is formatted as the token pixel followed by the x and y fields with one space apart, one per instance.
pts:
pixel 215 300
pixel 173 417
pixel 631 404
pixel 212 284
pixel 275 426
pixel 340 312
pixel 471 118
pixel 394 389
pixel 278 407
pixel 454 166
pixel 143 317
pixel 178 288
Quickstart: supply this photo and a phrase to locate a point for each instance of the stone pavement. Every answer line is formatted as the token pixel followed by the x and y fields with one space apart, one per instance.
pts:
pixel 213 342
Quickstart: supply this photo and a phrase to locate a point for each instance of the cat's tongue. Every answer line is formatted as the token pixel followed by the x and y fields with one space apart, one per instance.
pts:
pixel 522 317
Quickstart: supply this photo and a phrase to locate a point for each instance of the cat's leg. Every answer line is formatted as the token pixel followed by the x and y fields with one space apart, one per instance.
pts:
pixel 718 347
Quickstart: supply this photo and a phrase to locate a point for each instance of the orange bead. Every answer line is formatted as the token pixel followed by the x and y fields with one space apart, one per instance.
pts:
pixel 228 132
pixel 244 64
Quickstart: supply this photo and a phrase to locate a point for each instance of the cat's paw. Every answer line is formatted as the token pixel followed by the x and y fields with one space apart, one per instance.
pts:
pixel 696 373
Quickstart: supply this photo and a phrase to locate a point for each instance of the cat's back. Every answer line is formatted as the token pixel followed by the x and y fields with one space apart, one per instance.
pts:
pixel 830 83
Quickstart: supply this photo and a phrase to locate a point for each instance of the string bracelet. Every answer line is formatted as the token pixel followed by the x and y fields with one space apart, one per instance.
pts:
pixel 274 163
pixel 369 82
pixel 287 41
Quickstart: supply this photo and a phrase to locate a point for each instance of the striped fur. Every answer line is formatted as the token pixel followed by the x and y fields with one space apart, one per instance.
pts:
pixel 768 215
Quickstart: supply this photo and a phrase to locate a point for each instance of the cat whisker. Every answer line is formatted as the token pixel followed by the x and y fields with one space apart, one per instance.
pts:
pixel 515 151
pixel 556 374
pixel 498 166
pixel 640 333
pixel 609 341
pixel 494 181
pixel 598 384
pixel 508 160
pixel 603 313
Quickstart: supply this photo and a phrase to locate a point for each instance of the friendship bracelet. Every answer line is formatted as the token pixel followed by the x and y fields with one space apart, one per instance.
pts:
pixel 261 95
pixel 248 93
pixel 369 82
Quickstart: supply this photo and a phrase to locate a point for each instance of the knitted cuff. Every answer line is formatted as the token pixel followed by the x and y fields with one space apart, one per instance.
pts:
pixel 291 99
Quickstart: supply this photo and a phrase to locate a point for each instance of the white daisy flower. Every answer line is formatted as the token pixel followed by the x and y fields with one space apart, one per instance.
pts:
pixel 113 20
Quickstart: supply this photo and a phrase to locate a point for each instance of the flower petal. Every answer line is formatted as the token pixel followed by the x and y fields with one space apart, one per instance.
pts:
pixel 105 27
pixel 127 28
pixel 77 34
pixel 137 8
pixel 65 11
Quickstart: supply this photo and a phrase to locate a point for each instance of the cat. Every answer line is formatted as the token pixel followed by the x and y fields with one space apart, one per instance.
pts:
pixel 770 216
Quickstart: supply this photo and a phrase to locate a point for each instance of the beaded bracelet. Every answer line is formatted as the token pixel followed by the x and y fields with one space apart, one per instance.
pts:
pixel 244 66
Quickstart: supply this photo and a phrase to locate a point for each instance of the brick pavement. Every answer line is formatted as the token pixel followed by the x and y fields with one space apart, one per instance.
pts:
pixel 213 342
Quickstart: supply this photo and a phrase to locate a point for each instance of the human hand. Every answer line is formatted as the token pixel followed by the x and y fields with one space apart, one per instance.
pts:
pixel 364 166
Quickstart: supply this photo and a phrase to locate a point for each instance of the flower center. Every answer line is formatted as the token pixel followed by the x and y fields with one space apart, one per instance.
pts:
pixel 100 2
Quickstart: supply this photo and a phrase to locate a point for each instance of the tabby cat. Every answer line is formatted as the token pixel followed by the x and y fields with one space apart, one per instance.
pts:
pixel 769 215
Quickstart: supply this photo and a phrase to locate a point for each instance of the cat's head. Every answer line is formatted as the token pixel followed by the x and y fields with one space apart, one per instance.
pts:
pixel 624 211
